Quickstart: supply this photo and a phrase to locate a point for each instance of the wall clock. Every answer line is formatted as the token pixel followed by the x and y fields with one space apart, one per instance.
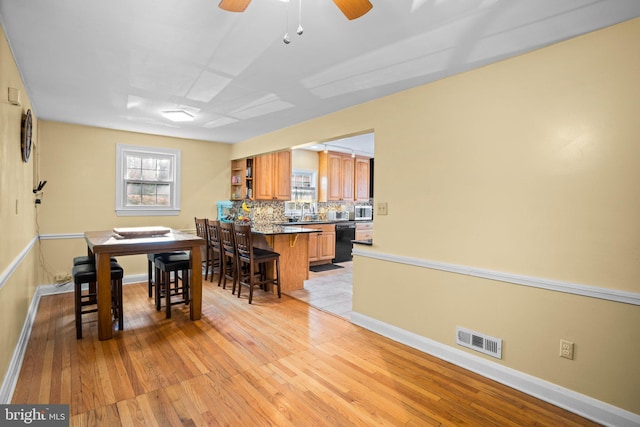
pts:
pixel 25 140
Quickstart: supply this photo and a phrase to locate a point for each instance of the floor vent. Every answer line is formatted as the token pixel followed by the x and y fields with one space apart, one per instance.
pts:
pixel 479 342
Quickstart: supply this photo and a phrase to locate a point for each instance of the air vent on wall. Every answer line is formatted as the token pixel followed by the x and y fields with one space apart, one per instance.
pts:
pixel 479 342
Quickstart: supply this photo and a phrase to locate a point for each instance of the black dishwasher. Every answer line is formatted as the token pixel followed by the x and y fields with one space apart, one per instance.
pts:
pixel 345 233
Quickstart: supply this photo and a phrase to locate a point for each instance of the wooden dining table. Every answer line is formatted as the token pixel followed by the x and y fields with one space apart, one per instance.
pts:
pixel 134 241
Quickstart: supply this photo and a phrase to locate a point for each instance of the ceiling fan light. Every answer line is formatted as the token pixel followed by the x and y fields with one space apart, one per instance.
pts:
pixel 177 116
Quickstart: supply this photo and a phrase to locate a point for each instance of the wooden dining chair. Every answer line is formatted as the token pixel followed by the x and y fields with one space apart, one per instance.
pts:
pixel 229 255
pixel 202 231
pixel 252 262
pixel 215 246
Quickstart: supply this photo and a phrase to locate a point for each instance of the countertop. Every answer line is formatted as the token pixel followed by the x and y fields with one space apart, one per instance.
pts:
pixel 294 223
pixel 273 229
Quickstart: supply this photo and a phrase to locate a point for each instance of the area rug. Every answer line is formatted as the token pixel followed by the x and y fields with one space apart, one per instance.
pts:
pixel 324 267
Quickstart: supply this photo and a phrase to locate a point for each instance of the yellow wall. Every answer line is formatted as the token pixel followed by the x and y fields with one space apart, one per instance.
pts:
pixel 17 228
pixel 304 160
pixel 529 166
pixel 79 164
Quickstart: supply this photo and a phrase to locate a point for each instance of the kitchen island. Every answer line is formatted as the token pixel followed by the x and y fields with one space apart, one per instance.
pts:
pixel 292 243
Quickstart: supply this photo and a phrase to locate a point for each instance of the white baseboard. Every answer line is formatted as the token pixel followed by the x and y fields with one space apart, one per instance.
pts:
pixel 577 403
pixel 13 371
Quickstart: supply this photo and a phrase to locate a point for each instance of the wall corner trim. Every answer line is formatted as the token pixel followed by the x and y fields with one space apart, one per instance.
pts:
pixel 608 294
pixel 572 401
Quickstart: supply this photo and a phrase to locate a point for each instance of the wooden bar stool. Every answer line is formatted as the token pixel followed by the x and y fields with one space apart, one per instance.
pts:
pixel 151 260
pixel 229 255
pixel 165 265
pixel 89 259
pixel 252 262
pixel 86 273
pixel 215 246
pixel 203 231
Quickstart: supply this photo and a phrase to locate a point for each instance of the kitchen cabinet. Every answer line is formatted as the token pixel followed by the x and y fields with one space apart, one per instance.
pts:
pixel 241 179
pixel 322 245
pixel 362 178
pixel 272 176
pixel 342 177
pixel 364 230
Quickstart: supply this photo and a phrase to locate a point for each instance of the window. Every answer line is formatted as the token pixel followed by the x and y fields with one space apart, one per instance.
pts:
pixel 147 181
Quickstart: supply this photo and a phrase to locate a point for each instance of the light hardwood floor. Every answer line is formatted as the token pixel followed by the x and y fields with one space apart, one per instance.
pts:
pixel 276 362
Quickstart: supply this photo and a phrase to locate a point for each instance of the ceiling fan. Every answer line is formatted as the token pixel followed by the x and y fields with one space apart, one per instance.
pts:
pixel 352 9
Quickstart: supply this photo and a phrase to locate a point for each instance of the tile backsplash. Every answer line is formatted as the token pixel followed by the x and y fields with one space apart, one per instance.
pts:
pixel 268 211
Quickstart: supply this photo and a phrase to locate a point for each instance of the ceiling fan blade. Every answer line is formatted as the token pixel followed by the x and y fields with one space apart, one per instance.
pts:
pixel 234 5
pixel 353 9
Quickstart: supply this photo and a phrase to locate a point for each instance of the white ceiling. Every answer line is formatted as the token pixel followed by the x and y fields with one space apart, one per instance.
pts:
pixel 120 63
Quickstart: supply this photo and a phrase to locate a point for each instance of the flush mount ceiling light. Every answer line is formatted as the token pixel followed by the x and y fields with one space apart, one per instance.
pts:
pixel 177 116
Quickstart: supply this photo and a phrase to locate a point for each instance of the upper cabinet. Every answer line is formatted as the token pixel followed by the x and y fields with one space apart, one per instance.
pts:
pixel 241 179
pixel 272 176
pixel 342 177
pixel 362 179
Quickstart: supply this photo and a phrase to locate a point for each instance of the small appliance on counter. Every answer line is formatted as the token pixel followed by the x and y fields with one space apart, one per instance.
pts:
pixel 225 210
pixel 338 216
pixel 363 213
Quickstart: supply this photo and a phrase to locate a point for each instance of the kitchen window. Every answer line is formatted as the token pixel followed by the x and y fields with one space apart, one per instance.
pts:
pixel 147 181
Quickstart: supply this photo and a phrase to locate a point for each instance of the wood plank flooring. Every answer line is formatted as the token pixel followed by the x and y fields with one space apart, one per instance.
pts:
pixel 277 362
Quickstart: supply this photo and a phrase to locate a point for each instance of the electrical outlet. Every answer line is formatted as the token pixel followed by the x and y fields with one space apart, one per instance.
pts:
pixel 566 349
pixel 382 208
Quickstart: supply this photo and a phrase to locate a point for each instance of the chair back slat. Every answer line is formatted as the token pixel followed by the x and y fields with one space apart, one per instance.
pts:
pixel 213 228
pixel 243 240
pixel 201 227
pixel 227 238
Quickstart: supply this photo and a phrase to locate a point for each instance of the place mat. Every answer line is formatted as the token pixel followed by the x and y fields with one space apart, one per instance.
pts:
pixel 324 267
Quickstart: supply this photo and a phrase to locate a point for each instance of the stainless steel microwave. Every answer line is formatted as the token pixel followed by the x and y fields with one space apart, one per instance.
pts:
pixel 363 212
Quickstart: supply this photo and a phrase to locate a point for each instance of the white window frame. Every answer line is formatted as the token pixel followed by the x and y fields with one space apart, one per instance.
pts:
pixel 122 151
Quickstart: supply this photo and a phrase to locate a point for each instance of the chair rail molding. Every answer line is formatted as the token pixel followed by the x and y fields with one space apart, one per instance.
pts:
pixel 534 282
pixel 16 262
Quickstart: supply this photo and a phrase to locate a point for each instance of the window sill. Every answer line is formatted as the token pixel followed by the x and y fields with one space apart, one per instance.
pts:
pixel 147 212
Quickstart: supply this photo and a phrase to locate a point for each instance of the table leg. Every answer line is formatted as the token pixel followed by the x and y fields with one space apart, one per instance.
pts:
pixel 196 284
pixel 105 325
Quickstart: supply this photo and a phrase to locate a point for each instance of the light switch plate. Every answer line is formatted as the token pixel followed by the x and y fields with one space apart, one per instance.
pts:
pixel 382 208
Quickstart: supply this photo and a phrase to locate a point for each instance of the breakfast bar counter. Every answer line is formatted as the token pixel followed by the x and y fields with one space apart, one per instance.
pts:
pixel 292 243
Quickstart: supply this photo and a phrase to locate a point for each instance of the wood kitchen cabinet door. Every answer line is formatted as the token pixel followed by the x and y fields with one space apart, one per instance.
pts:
pixel 263 177
pixel 347 176
pixel 362 179
pixel 327 245
pixel 313 247
pixel 272 176
pixel 334 175
pixel 322 245
pixel 282 175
